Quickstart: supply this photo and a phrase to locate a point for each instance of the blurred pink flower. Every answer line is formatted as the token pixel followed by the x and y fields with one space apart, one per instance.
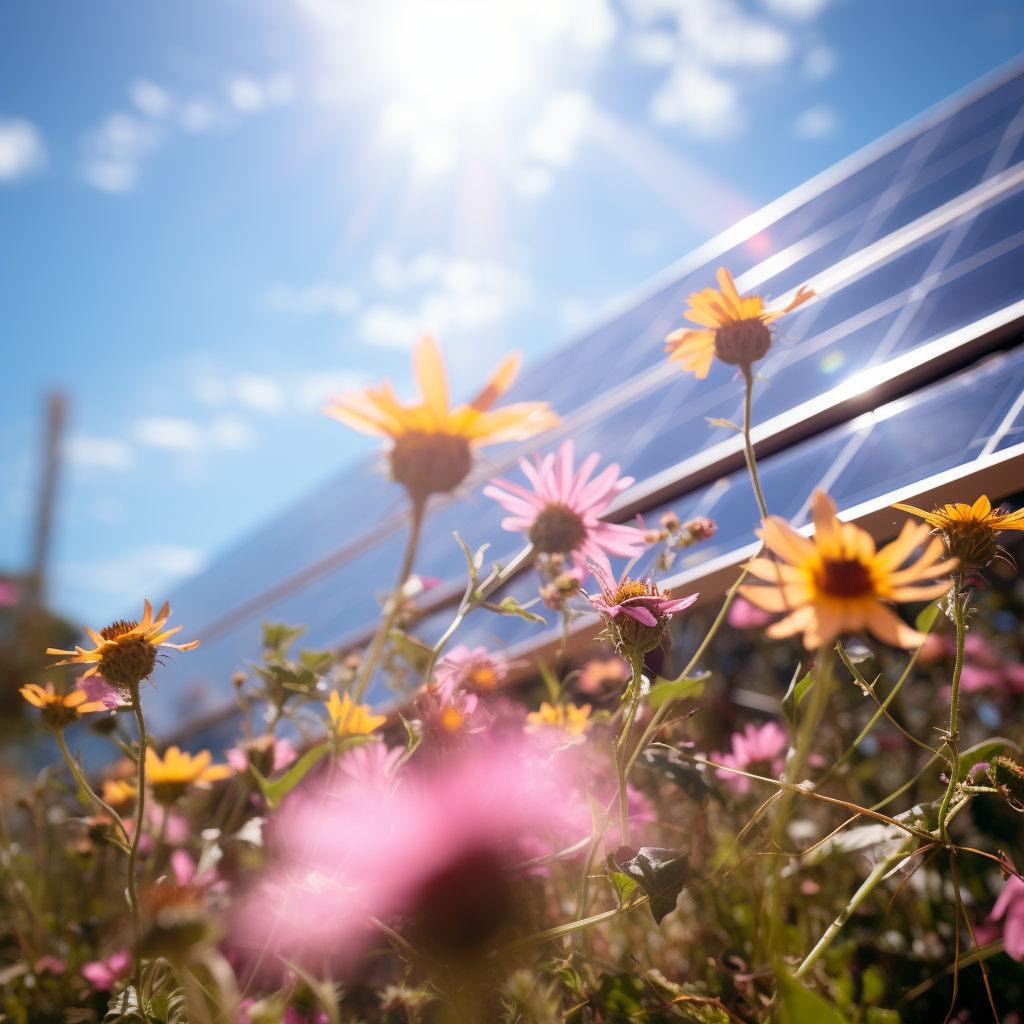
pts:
pixel 104 974
pixel 744 615
pixel 98 689
pixel 284 754
pixel 752 746
pixel 370 764
pixel 50 965
pixel 478 669
pixel 10 593
pixel 450 716
pixel 1010 907
pixel 974 677
pixel 439 848
pixel 562 513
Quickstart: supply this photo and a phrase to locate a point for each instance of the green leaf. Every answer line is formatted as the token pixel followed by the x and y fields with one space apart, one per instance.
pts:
pixel 795 694
pixel 980 752
pixel 510 606
pixel 800 1005
pixel 418 654
pixel 926 617
pixel 688 777
pixel 660 874
pixel 277 636
pixel 275 792
pixel 675 689
pixel 414 730
pixel 317 662
pixel 624 886
pixel 325 992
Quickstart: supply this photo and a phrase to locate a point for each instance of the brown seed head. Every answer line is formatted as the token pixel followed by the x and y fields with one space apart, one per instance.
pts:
pixel 742 342
pixel 557 529
pixel 430 463
pixel 131 660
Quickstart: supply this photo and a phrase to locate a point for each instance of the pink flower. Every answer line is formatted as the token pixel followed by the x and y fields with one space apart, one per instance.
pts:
pixel 104 974
pixel 974 677
pixel 752 747
pixel 1010 907
pixel 439 849
pixel 744 615
pixel 10 593
pixel 641 600
pixel 450 716
pixel 561 514
pixel 284 754
pixel 371 765
pixel 98 689
pixel 479 670
pixel 50 965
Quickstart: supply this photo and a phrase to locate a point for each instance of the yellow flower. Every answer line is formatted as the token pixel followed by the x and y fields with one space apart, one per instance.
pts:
pixel 350 719
pixel 970 530
pixel 118 793
pixel 125 651
pixel 735 328
pixel 837 582
pixel 572 719
pixel 177 771
pixel 59 710
pixel 430 442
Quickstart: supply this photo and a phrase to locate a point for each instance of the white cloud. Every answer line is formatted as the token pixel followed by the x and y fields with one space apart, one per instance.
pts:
pixel 315 298
pixel 210 390
pixel 198 116
pixel 245 94
pixel 232 433
pixel 534 181
pixel 114 151
pixel 150 98
pixel 799 10
pixel 561 128
pixel 456 296
pixel 816 122
pixel 706 104
pixel 22 151
pixel 656 48
pixel 98 452
pixel 820 62
pixel 261 393
pixel 137 572
pixel 169 433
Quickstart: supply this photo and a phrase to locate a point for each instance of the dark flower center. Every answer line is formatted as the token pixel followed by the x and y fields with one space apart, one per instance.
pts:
pixel 742 342
pixel 426 463
pixel 131 661
pixel 118 628
pixel 634 588
pixel 849 578
pixel 557 529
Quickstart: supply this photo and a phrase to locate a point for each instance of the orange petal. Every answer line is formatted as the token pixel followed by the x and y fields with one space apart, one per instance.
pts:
pixel 499 382
pixel 428 366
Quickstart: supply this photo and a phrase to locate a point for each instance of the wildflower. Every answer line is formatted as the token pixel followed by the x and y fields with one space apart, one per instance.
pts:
pixel 177 771
pixel 98 689
pixel 751 749
pixel 735 329
pixel 743 615
pixel 119 793
pixel 969 531
pixel 266 754
pixel 126 651
pixel 1010 907
pixel 348 719
pixel 561 514
pixel 636 613
pixel 838 582
pixel 479 669
pixel 449 714
pixel 176 920
pixel 371 764
pixel 431 444
pixel 59 710
pixel 105 974
pixel 600 674
pixel 50 965
pixel 571 719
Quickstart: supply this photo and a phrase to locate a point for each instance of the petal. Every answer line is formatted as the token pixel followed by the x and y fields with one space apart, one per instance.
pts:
pixel 774 572
pixel 640 613
pixel 499 382
pixel 781 538
pixel 428 366
pixel 823 512
pixel 891 629
pixel 982 507
pixel 896 553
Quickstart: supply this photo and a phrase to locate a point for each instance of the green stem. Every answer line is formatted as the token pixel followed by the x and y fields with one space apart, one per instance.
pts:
pixel 748 448
pixel 394 602
pixel 81 780
pixel 869 883
pixel 633 695
pixel 959 617
pixel 140 805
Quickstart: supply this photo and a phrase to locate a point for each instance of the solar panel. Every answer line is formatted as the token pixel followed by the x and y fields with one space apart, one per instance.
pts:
pixel 915 247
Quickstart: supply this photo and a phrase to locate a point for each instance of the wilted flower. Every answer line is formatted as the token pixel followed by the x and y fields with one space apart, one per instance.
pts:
pixel 348 719
pixel 170 777
pixel 566 717
pixel 969 531
pixel 105 974
pixel 59 710
pixel 562 513
pixel 431 444
pixel 635 612
pixel 735 328
pixel 126 651
pixel 838 582
pixel 264 753
pixel 479 669
pixel 753 747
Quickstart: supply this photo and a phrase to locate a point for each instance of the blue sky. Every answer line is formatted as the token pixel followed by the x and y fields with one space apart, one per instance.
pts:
pixel 216 213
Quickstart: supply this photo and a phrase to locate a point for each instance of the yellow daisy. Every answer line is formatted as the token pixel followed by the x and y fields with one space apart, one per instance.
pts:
pixel 348 719
pixel 170 777
pixel 837 582
pixel 970 530
pixel 431 443
pixel 735 328
pixel 572 719
pixel 125 651
pixel 59 710
pixel 118 793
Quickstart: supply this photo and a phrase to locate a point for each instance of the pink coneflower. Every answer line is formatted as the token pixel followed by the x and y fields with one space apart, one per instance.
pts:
pixel 437 854
pixel 752 749
pixel 449 716
pixel 635 612
pixel 266 753
pixel 105 974
pixel 371 765
pixel 479 670
pixel 561 514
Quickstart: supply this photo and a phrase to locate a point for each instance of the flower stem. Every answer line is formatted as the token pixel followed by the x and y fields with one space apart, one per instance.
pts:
pixel 633 695
pixel 960 619
pixel 140 805
pixel 81 780
pixel 748 448
pixel 394 602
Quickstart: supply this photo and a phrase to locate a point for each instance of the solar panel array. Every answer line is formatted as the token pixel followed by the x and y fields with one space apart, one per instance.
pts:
pixel 916 247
